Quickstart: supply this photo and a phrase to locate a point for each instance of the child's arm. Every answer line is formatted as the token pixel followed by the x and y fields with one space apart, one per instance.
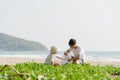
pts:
pixel 60 58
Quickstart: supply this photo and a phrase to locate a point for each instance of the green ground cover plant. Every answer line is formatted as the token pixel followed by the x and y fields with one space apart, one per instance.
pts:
pixel 66 72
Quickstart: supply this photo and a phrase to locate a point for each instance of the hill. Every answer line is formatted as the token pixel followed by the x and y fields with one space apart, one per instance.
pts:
pixel 11 43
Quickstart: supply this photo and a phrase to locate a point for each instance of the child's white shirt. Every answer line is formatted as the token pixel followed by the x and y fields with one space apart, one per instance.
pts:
pixel 50 58
pixel 65 60
pixel 66 57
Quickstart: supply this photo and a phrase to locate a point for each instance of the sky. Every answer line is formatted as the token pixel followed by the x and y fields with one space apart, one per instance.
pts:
pixel 95 24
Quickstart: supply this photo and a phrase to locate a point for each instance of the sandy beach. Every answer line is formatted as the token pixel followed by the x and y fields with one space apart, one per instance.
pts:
pixel 104 63
pixel 14 60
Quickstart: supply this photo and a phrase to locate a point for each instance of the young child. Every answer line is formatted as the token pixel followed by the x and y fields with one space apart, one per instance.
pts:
pixel 64 59
pixel 51 58
pixel 78 52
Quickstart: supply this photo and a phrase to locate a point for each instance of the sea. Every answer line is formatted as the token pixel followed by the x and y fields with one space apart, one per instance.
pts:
pixel 107 56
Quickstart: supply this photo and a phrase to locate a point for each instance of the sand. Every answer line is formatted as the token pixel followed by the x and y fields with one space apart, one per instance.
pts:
pixel 104 63
pixel 14 60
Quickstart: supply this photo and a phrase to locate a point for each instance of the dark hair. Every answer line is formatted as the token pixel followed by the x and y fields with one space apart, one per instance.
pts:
pixel 72 42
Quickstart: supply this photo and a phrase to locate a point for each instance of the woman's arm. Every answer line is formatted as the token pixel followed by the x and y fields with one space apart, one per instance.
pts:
pixel 75 58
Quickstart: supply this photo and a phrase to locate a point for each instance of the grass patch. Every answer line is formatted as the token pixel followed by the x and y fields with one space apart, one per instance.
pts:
pixel 67 72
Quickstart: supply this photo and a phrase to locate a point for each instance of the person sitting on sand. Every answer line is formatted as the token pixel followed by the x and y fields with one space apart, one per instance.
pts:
pixel 78 52
pixel 51 58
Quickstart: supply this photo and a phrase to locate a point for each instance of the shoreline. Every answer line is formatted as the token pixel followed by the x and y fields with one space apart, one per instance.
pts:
pixel 15 60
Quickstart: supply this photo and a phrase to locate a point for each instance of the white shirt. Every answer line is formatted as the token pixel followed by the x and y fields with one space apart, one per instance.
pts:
pixel 77 51
pixel 65 59
pixel 50 58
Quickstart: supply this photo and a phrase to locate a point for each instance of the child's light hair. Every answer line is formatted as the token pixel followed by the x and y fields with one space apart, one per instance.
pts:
pixel 53 50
